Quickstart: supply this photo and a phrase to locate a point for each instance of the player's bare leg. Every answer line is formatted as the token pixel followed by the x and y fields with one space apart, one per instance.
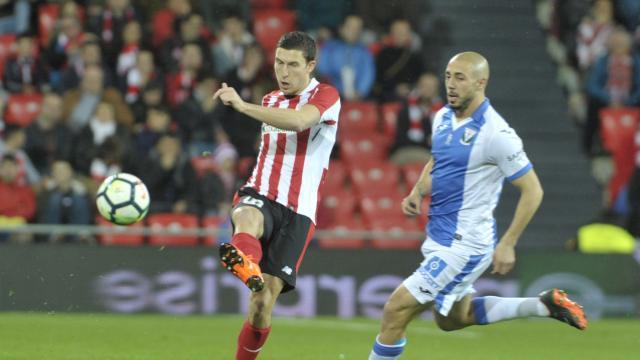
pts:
pixel 256 329
pixel 242 256
pixel 460 316
pixel 399 311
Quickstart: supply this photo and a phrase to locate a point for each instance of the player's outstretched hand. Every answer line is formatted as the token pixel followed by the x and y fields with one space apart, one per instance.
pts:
pixel 229 97
pixel 504 258
pixel 411 204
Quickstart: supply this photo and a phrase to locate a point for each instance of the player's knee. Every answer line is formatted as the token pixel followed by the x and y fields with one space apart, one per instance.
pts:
pixel 448 324
pixel 247 219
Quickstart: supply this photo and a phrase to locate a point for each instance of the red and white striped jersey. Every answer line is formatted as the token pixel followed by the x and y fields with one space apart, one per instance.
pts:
pixel 291 165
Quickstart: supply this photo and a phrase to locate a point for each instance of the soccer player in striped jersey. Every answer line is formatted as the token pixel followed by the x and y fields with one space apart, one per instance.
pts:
pixel 474 150
pixel 274 212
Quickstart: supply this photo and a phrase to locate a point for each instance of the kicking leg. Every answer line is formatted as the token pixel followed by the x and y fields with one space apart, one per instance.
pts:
pixel 244 253
pixel 490 309
pixel 399 310
pixel 256 329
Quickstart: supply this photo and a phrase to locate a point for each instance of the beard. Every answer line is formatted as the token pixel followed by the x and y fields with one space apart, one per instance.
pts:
pixel 463 105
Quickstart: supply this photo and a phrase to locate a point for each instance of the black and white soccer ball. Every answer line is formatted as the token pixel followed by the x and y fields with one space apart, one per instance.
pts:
pixel 123 199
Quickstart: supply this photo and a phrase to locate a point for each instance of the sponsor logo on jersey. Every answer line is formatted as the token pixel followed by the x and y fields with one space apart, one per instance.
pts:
pixel 272 129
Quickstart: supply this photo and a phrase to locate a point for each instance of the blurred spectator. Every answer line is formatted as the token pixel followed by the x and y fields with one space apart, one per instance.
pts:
pixel 614 81
pixel 109 23
pixel 347 63
pixel 141 75
pixel 64 43
pixel 251 82
pixel 90 54
pixel 628 12
pixel 593 33
pixel 163 17
pixel 633 224
pixel 158 124
pixel 64 201
pixel 170 178
pixel 413 131
pixel 152 96
pixel 14 16
pixel 181 83
pixel 70 8
pixel 79 104
pixel 195 117
pixel 24 72
pixel 101 126
pixel 397 65
pixel 132 42
pixel 380 17
pixel 322 17
pixel 188 29
pixel 228 51
pixel 13 144
pixel 215 12
pixel 48 138
pixel 18 203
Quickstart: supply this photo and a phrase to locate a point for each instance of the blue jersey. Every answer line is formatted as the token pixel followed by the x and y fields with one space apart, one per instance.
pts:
pixel 471 159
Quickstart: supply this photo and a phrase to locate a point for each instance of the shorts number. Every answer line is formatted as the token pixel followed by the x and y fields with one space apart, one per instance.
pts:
pixel 252 201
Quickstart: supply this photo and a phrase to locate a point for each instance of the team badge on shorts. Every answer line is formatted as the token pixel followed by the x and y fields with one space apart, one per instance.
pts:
pixel 434 266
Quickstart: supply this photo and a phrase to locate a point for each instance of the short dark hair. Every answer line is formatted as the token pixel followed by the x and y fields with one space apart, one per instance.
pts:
pixel 298 40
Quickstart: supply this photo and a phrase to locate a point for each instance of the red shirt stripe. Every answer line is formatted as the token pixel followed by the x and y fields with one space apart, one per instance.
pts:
pixel 298 168
pixel 260 165
pixel 274 177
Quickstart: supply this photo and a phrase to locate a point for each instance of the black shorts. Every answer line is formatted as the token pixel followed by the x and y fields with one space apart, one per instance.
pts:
pixel 286 235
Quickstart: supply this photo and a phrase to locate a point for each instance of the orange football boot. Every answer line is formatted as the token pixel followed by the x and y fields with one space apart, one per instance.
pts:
pixel 242 266
pixel 564 309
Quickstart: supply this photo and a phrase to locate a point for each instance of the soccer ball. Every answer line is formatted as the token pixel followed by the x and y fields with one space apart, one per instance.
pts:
pixel 123 199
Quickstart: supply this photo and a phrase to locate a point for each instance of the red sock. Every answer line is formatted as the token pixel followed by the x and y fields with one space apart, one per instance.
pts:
pixel 250 341
pixel 248 244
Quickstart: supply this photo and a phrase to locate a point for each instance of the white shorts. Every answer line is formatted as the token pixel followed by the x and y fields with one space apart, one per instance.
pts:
pixel 446 276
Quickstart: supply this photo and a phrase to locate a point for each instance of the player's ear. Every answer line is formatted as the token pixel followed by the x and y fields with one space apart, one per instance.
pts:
pixel 311 65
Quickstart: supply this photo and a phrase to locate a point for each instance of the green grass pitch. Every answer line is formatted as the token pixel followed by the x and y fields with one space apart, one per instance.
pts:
pixel 99 336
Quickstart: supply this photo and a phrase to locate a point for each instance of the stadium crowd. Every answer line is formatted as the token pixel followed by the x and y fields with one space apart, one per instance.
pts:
pixel 596 44
pixel 93 88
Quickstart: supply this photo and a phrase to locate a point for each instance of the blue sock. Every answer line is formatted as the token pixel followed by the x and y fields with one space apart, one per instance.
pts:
pixel 387 352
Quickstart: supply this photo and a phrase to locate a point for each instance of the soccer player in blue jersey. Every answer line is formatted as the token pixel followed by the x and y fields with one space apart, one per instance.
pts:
pixel 474 150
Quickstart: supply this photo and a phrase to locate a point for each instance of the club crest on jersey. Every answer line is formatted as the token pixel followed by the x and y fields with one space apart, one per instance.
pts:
pixel 468 136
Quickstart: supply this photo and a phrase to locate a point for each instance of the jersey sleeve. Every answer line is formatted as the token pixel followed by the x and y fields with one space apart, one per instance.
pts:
pixel 325 97
pixel 506 151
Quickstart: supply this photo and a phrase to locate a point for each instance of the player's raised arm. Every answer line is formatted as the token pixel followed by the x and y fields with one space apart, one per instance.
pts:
pixel 287 119
pixel 411 204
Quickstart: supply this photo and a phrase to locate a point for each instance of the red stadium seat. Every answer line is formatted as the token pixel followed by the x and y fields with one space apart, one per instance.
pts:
pixel 618 128
pixel 215 223
pixel 358 118
pixel 411 173
pixel 375 179
pixel 336 205
pixel 270 24
pixel 174 223
pixel 389 113
pixel 342 225
pixel 396 225
pixel 381 205
pixel 47 17
pixel 364 149
pixel 336 177
pixel 7 48
pixel 23 108
pixel 119 239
